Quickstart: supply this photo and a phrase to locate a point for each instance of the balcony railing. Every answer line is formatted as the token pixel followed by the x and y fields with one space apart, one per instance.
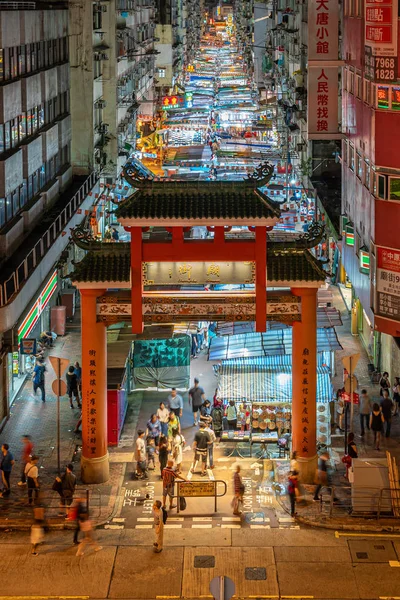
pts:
pixel 12 286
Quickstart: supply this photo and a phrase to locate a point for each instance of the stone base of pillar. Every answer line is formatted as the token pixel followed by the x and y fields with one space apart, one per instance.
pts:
pixel 308 469
pixel 95 470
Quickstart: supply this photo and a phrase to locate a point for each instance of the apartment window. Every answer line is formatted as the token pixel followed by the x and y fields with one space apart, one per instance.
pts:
pixel 22 126
pixel 2 211
pixel 21 60
pixel 162 73
pixel 360 8
pixel 395 98
pixel 383 96
pixel 358 86
pixel 7 135
pixel 351 82
pixel 14 132
pixel 359 166
pixel 97 68
pixel 351 157
pixel 367 174
pixel 344 152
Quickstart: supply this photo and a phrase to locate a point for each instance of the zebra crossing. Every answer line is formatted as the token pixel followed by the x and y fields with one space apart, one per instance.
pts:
pixel 210 522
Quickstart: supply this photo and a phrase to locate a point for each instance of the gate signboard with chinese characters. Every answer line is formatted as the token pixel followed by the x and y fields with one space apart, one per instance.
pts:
pixel 198 273
pixel 388 283
pixel 178 306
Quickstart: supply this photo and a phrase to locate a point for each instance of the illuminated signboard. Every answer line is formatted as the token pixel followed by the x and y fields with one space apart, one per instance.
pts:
pixel 172 102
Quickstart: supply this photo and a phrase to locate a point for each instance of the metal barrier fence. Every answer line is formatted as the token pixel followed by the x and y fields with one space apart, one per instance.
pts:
pixel 375 503
pixel 13 284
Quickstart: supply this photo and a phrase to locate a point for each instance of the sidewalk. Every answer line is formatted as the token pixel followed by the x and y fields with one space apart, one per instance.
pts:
pixel 30 416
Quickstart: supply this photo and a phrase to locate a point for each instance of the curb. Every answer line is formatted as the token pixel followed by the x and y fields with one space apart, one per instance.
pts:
pixel 343 527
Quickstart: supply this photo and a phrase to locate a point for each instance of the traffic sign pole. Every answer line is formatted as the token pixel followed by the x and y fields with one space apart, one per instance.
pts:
pixel 58 418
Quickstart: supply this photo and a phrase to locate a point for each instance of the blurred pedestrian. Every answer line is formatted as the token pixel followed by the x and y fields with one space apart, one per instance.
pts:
pixel 213 438
pixel 196 399
pixel 158 515
pixel 78 423
pixel 384 383
pixel 78 373
pixel 32 476
pixel 27 449
pixel 86 526
pixel 150 453
pixel 238 492
pixel 37 529
pixel 173 423
pixel 217 415
pixel 178 443
pixel 376 421
pixel 39 379
pixel 168 476
pixel 115 235
pixel 322 474
pixel 6 465
pixel 72 386
pixel 292 491
pixel 200 446
pixel 396 395
pixel 153 429
pixel 365 410
pixel 205 412
pixel 78 514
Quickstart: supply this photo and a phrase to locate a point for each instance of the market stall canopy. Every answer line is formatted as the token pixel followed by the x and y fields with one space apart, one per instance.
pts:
pixel 265 379
pixel 271 343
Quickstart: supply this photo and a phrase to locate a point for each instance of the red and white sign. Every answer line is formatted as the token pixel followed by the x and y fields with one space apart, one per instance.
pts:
pixel 381 26
pixel 323 32
pixel 322 102
pixel 388 283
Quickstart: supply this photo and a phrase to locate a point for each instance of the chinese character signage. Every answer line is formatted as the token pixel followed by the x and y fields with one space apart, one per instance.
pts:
pixel 323 31
pixel 172 102
pixel 322 102
pixel 388 283
pixel 198 273
pixel 381 27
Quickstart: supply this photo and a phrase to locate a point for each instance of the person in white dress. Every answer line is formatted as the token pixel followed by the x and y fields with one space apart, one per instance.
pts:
pixel 178 442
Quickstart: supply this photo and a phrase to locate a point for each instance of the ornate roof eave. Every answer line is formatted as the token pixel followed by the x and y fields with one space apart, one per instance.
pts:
pixel 84 240
pixel 307 240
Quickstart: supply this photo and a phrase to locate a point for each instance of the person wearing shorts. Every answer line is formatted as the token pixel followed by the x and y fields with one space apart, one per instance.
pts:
pixel 196 399
pixel 168 476
pixel 202 441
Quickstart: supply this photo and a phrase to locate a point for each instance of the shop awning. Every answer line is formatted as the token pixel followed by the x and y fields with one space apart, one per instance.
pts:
pixel 272 343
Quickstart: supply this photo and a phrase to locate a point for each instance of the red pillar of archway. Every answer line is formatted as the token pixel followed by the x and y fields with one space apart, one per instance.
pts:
pixel 136 279
pixel 94 461
pixel 304 384
pixel 261 279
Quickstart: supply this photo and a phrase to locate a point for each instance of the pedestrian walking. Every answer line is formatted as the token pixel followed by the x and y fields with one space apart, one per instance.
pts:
pixel 115 235
pixel 153 429
pixel 211 445
pixel 376 421
pixel 158 515
pixel 140 456
pixel 322 474
pixel 78 423
pixel 365 411
pixel 168 477
pixel 384 382
pixel 68 485
pixel 6 465
pixel 201 443
pixel 205 412
pixel 196 399
pixel 396 395
pixel 72 386
pixel 150 453
pixel 217 416
pixel 293 491
pixel 32 476
pixel 163 417
pixel 27 449
pixel 37 529
pixel 175 402
pixel 163 453
pixel 78 514
pixel 173 423
pixel 238 492
pixel 39 379
pixel 351 453
pixel 78 373
pixel 178 443
pixel 387 408
pixel 86 526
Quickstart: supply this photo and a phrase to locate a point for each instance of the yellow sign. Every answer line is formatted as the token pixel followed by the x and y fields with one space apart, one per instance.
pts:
pixel 198 273
pixel 197 488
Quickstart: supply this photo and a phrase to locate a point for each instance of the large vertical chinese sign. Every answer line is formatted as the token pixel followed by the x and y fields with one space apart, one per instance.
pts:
pixel 323 45
pixel 380 36
pixel 388 283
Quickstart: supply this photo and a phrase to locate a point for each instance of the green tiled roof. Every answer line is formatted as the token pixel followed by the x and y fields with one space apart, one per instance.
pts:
pixel 294 266
pixel 195 201
pixel 99 266
pixel 281 266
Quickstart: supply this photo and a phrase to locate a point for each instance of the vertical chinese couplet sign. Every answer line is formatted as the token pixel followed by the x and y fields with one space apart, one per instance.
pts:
pixel 323 48
pixel 91 404
pixel 323 29
pixel 305 420
pixel 323 101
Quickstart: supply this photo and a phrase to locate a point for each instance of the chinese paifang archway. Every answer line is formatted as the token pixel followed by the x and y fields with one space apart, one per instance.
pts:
pixel 176 207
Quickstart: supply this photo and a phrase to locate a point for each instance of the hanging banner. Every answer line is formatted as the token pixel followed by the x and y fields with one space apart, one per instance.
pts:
pixel 322 102
pixel 323 30
pixel 388 283
pixel 381 27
